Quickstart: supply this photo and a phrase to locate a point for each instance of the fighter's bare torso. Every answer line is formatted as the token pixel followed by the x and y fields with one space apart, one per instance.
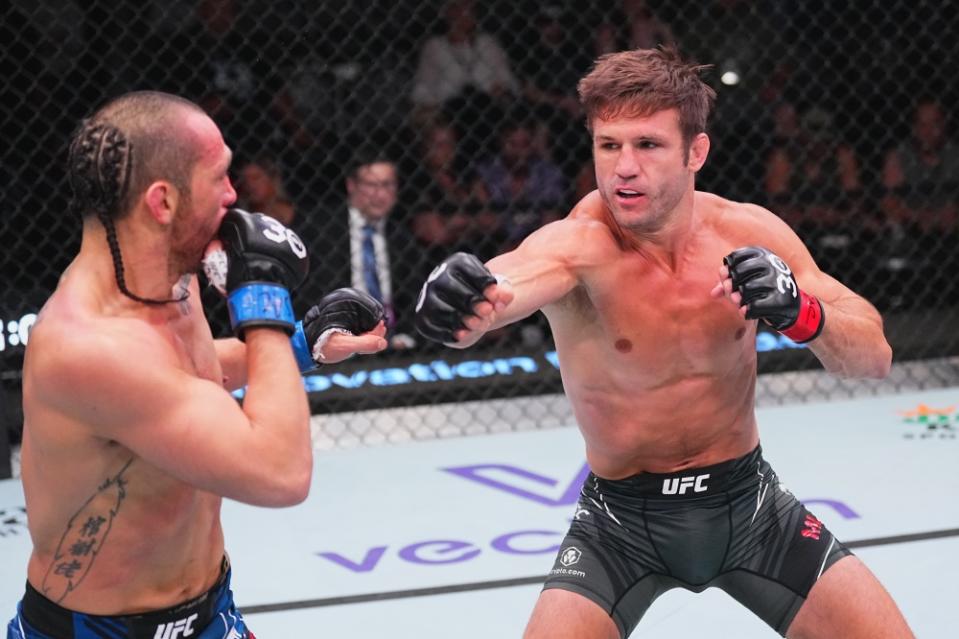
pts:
pixel 112 533
pixel 661 375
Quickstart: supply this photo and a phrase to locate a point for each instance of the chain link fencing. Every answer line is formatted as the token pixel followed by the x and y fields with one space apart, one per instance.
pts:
pixel 836 116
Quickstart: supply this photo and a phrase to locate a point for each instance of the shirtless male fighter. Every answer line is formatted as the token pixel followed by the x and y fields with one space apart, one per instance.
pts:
pixel 653 291
pixel 131 437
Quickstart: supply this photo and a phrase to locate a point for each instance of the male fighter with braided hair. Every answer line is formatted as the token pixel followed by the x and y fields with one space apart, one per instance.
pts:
pixel 131 437
pixel 659 363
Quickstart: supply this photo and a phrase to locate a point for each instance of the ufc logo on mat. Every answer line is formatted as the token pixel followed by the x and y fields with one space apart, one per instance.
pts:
pixel 176 629
pixel 679 485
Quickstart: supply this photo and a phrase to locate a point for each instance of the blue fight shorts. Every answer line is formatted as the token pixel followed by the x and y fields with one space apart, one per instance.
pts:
pixel 212 615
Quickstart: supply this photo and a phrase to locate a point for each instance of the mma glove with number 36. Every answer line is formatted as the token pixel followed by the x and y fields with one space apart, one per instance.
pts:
pixel 769 292
pixel 256 263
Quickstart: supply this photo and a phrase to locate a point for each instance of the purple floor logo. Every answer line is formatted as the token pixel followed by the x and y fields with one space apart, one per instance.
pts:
pixel 481 473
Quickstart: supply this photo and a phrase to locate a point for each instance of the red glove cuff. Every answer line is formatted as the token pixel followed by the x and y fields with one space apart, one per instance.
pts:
pixel 809 323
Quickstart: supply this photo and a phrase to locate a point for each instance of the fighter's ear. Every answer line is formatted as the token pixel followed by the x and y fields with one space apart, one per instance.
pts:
pixel 698 150
pixel 161 199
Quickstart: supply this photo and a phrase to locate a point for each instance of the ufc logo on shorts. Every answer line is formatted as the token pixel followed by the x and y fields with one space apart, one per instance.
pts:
pixel 176 629
pixel 679 485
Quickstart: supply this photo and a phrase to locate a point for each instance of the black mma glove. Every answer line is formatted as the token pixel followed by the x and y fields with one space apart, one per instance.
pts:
pixel 345 310
pixel 448 296
pixel 769 292
pixel 264 262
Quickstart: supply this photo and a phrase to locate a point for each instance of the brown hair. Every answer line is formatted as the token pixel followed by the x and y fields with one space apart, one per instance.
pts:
pixel 644 81
pixel 125 146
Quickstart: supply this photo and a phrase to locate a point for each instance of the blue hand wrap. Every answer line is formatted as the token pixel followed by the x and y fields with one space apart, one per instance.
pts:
pixel 260 304
pixel 301 349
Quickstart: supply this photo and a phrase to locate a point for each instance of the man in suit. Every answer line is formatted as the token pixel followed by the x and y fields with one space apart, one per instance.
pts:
pixel 363 244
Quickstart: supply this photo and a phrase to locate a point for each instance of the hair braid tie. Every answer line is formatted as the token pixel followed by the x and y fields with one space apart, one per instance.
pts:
pixel 101 159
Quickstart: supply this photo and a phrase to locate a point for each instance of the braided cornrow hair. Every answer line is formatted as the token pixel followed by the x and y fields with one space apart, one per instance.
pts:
pixel 100 165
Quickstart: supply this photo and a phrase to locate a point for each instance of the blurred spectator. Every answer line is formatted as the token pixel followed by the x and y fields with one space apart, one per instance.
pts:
pixel 553 64
pixel 259 187
pixel 550 71
pixel 348 65
pixel 362 243
pixel 920 204
pixel 780 84
pixel 921 175
pixel 644 30
pixel 605 39
pixel 227 64
pixel 524 189
pixel 812 177
pixel 736 37
pixel 447 203
pixel 463 71
pixel 347 97
pixel 813 182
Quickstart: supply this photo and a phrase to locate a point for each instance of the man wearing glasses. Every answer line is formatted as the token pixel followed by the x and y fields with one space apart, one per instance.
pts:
pixel 363 244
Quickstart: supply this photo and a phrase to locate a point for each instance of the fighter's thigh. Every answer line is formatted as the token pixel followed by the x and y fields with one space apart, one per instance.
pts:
pixel 561 614
pixel 848 601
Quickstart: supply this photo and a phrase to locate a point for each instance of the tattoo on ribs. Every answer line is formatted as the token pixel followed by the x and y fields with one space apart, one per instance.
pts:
pixel 82 540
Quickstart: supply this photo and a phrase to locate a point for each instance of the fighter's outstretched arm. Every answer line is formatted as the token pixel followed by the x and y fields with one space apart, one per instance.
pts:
pixel 463 299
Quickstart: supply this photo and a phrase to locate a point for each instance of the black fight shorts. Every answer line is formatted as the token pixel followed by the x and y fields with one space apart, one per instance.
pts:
pixel 731 526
